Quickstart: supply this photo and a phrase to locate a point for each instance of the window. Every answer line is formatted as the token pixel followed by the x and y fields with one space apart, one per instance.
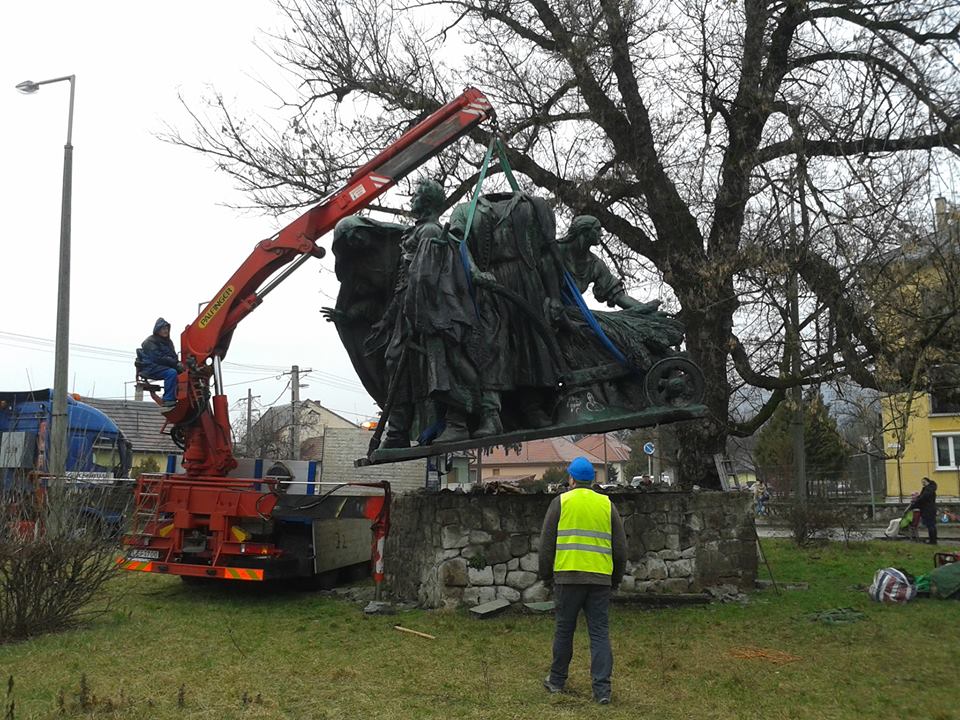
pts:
pixel 944 401
pixel 496 472
pixel 947 450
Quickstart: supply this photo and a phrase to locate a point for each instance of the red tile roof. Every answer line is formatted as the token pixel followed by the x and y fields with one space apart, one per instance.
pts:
pixel 552 451
pixel 616 451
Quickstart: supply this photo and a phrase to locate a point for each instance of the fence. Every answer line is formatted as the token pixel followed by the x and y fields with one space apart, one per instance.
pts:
pixel 863 477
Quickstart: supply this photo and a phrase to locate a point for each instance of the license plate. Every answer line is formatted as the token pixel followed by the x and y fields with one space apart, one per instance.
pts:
pixel 143 555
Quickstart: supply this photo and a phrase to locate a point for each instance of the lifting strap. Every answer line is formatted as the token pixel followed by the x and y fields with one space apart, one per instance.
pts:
pixel 570 293
pixel 471 211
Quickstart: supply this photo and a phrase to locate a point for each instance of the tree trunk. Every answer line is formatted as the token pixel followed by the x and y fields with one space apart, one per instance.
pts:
pixel 707 335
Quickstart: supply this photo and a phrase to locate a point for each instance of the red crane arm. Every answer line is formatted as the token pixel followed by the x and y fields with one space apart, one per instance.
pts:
pixel 211 332
pixel 206 429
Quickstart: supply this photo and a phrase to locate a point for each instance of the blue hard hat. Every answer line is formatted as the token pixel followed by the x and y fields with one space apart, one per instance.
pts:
pixel 581 470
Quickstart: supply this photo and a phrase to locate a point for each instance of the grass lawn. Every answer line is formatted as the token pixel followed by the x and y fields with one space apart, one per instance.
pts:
pixel 173 651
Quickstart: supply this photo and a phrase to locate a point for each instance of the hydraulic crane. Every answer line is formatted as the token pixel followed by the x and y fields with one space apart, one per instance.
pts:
pixel 205 524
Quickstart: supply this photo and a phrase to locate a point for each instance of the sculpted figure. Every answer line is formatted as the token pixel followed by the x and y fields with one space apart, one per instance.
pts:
pixel 367 260
pixel 638 330
pixel 426 334
pixel 510 238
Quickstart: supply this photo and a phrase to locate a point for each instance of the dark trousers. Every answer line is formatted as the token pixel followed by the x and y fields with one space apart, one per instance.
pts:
pixel 169 377
pixel 931 525
pixel 594 600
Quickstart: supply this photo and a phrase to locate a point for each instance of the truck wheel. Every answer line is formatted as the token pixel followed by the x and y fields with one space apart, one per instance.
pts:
pixel 321 581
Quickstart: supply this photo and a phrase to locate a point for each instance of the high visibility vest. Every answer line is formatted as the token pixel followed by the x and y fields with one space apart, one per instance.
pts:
pixel 584 533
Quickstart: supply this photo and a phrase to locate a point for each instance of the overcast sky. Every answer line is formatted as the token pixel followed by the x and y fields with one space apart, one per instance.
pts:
pixel 151 234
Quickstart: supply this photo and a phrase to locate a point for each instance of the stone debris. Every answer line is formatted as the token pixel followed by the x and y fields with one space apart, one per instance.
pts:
pixel 352 593
pixel 379 607
pixel 727 594
pixel 490 609
pixel 766 584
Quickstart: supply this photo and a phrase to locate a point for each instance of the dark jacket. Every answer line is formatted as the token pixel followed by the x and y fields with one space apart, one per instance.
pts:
pixel 548 551
pixel 926 501
pixel 158 350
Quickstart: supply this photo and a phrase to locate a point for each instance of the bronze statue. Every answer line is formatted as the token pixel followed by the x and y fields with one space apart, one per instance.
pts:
pixel 511 238
pixel 490 338
pixel 426 333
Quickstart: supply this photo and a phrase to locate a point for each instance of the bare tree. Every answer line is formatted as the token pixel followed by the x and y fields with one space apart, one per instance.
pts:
pixel 755 156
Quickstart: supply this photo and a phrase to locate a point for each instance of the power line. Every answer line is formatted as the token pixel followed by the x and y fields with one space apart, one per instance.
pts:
pixel 282 392
pixel 33 342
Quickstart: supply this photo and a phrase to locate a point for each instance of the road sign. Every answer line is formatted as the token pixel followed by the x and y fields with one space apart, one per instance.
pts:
pixel 649 448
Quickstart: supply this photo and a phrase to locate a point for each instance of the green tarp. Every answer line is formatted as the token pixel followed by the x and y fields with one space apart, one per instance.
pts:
pixel 945 581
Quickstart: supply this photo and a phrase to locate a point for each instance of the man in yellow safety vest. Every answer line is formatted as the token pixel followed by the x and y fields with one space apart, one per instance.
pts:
pixel 583 551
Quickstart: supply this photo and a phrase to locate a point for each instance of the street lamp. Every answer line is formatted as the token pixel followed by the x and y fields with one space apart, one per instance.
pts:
pixel 58 429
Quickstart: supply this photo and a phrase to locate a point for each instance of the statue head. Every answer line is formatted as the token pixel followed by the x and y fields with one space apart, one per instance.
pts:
pixel 428 198
pixel 584 231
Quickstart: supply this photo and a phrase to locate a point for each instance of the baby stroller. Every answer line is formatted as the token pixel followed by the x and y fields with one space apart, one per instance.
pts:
pixel 905 526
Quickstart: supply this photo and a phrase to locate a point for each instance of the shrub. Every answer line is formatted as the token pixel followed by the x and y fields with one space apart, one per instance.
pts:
pixel 812 521
pixel 809 521
pixel 52 565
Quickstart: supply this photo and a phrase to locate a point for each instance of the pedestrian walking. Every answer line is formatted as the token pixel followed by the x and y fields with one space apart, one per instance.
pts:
pixel 926 504
pixel 583 552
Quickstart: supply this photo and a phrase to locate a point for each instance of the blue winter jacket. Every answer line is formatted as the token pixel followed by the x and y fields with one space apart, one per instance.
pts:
pixel 158 350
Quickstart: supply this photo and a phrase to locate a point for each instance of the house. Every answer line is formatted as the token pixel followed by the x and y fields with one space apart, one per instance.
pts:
pixel 607 447
pixel 342 446
pixel 930 444
pixel 922 428
pixel 535 458
pixel 142 425
pixel 272 435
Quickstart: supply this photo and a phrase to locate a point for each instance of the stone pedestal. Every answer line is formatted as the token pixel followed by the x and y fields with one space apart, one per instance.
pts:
pixel 448 549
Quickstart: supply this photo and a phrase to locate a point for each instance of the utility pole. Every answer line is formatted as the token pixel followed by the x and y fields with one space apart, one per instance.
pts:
pixel 249 439
pixel 294 402
pixel 606 466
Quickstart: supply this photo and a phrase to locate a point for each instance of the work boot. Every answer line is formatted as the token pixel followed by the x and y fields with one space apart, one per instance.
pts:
pixel 491 425
pixel 551 688
pixel 456 430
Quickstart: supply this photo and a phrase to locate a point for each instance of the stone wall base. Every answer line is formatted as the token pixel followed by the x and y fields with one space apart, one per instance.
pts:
pixel 449 549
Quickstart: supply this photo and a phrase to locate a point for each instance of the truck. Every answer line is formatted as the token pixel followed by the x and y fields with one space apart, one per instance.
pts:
pixel 98 455
pixel 209 523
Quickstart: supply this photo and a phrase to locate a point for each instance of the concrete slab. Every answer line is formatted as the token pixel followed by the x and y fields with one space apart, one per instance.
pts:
pixel 541 607
pixel 489 609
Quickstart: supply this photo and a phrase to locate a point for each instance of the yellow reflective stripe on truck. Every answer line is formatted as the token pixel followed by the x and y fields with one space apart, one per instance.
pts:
pixel 141 565
pixel 243 574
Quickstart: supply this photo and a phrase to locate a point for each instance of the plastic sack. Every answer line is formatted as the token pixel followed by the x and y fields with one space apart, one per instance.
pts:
pixel 891 585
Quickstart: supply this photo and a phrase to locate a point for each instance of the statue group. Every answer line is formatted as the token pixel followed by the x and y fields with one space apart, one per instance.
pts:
pixel 476 328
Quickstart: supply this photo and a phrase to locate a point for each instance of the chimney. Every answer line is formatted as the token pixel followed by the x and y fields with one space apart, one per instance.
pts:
pixel 940 213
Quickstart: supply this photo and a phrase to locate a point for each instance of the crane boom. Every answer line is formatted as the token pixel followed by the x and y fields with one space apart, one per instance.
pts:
pixel 202 423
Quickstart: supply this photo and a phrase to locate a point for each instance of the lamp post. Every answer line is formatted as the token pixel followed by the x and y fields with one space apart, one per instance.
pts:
pixel 58 429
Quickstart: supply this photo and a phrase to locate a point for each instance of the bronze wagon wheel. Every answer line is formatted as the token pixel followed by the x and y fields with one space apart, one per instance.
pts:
pixel 674 382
